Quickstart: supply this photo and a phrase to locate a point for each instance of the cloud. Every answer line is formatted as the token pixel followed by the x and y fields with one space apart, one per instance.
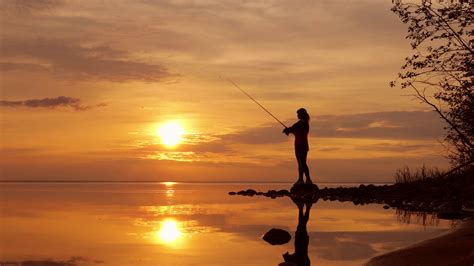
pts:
pixel 266 134
pixel 73 261
pixel 381 125
pixel 395 147
pixel 61 57
pixel 386 134
pixel 21 66
pixel 387 125
pixel 51 103
pixel 27 6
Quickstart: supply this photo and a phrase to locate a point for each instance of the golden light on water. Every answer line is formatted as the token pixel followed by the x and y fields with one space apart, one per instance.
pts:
pixel 169 232
pixel 171 133
pixel 169 184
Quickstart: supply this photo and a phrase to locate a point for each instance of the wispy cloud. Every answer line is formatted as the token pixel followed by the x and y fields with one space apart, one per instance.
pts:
pixel 51 103
pixel 382 125
pixel 73 261
pixel 27 6
pixel 378 125
pixel 71 60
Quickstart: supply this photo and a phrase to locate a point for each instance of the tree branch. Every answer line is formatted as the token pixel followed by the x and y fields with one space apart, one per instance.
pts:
pixel 451 30
pixel 453 126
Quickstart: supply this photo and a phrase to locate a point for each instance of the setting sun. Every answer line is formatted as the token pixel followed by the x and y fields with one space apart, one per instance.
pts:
pixel 170 133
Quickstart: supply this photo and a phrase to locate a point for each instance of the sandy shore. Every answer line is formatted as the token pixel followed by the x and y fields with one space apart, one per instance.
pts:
pixel 453 248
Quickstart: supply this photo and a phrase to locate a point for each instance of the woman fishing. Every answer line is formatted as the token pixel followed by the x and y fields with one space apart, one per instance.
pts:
pixel 301 129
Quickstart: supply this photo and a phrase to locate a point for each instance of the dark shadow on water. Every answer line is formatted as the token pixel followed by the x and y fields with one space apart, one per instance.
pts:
pixel 418 217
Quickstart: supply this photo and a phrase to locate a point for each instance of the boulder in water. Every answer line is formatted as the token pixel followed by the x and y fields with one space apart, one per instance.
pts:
pixel 277 236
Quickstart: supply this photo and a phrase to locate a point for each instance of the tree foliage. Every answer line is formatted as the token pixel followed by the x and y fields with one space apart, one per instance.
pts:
pixel 440 70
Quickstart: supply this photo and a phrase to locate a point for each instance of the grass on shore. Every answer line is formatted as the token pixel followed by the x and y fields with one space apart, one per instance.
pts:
pixel 405 175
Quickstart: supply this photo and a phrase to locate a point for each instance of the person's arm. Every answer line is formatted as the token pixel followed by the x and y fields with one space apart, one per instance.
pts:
pixel 291 129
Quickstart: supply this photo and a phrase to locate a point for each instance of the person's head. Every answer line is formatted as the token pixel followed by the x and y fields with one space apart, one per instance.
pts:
pixel 303 114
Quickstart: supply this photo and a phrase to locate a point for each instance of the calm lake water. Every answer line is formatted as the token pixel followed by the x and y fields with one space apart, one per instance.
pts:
pixel 187 224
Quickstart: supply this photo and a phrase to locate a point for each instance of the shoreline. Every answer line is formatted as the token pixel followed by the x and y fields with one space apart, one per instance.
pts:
pixel 455 247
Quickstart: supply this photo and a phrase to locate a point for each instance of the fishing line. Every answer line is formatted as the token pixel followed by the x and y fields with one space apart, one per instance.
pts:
pixel 248 95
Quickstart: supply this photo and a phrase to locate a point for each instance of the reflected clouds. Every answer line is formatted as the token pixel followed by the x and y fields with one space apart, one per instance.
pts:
pixel 189 225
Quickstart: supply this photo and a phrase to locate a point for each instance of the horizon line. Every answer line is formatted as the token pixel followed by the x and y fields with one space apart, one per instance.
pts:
pixel 179 181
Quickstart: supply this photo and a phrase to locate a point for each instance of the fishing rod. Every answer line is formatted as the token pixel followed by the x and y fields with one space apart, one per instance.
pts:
pixel 251 98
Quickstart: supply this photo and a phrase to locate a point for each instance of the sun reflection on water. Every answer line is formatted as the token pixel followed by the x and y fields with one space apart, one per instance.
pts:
pixel 170 231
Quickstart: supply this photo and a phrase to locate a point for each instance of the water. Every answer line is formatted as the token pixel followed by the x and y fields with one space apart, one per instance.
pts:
pixel 186 224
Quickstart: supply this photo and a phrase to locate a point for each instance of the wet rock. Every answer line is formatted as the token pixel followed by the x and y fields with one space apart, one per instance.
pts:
pixel 277 236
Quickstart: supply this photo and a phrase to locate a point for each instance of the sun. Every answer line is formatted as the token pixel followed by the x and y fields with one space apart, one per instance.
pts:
pixel 171 133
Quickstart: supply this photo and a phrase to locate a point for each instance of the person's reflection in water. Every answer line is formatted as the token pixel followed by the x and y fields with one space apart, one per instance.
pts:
pixel 300 257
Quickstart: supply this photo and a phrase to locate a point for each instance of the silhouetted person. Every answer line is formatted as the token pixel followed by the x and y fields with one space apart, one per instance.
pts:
pixel 300 257
pixel 301 129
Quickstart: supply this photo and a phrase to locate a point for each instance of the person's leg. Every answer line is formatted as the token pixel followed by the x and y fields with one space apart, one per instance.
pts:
pixel 305 167
pixel 300 166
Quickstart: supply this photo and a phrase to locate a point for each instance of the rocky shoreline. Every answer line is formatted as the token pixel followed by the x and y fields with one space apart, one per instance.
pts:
pixel 448 198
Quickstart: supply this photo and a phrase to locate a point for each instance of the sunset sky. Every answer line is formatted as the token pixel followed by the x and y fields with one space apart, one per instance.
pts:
pixel 86 86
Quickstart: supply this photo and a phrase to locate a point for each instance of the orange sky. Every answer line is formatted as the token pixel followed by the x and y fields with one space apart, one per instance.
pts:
pixel 126 67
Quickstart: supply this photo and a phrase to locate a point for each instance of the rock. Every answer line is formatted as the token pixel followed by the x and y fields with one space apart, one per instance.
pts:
pixel 451 206
pixel 232 193
pixel 300 189
pixel 453 215
pixel 250 192
pixel 284 192
pixel 386 207
pixel 277 236
pixel 451 210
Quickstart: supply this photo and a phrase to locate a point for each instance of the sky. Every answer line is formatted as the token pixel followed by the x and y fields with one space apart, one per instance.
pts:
pixel 86 85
